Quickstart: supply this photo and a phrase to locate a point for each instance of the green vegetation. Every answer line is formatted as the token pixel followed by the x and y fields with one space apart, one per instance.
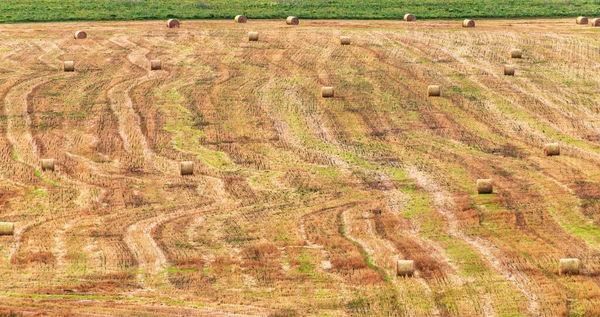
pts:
pixel 96 10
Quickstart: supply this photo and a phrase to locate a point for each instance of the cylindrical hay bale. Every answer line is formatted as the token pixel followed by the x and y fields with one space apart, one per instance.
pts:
pixel 80 35
pixel 253 36
pixel 187 168
pixel 552 149
pixel 595 22
pixel 516 53
pixel 484 186
pixel 582 20
pixel 327 92
pixel 410 17
pixel 48 165
pixel 173 23
pixel 569 266
pixel 468 23
pixel 241 19
pixel 155 64
pixel 405 267
pixel 434 91
pixel 345 40
pixel 292 21
pixel 509 70
pixel 69 66
pixel 7 228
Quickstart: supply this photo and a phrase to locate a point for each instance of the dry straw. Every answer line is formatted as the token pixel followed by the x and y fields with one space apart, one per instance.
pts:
pixel 595 22
pixel 434 91
pixel 327 92
pixel 7 228
pixel 241 19
pixel 410 17
pixel 552 149
pixel 405 267
pixel 253 36
pixel 582 20
pixel 69 66
pixel 468 23
pixel 292 20
pixel 173 23
pixel 187 168
pixel 345 40
pixel 155 64
pixel 80 35
pixel 484 186
pixel 516 53
pixel 48 165
pixel 569 266
pixel 509 70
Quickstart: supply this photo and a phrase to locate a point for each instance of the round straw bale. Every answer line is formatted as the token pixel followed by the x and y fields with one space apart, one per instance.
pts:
pixel 7 228
pixel 569 266
pixel 173 23
pixel 241 19
pixel 468 23
pixel 552 149
pixel 327 92
pixel 155 64
pixel 484 186
pixel 516 53
pixel 292 20
pixel 405 267
pixel 48 165
pixel 410 17
pixel 253 36
pixel 582 20
pixel 434 91
pixel 187 168
pixel 345 40
pixel 595 22
pixel 80 35
pixel 509 70
pixel 69 66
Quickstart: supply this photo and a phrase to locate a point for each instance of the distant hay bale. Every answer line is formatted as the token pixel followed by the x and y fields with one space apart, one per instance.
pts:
pixel 241 19
pixel 7 228
pixel 405 267
pixel 582 20
pixel 509 70
pixel 516 53
pixel 569 266
pixel 80 35
pixel 345 40
pixel 187 168
pixel 69 66
pixel 155 64
pixel 292 20
pixel 253 36
pixel 552 149
pixel 595 22
pixel 410 17
pixel 434 91
pixel 48 165
pixel 468 23
pixel 484 186
pixel 327 92
pixel 173 23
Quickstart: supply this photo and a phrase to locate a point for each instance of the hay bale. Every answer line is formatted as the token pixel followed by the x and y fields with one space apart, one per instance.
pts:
pixel 509 70
pixel 582 20
pixel 173 23
pixel 410 17
pixel 516 53
pixel 187 168
pixel 48 165
pixel 69 66
pixel 252 36
pixel 405 267
pixel 345 40
pixel 327 92
pixel 552 149
pixel 434 91
pixel 484 186
pixel 468 23
pixel 292 20
pixel 241 19
pixel 569 266
pixel 595 22
pixel 155 64
pixel 80 35
pixel 7 228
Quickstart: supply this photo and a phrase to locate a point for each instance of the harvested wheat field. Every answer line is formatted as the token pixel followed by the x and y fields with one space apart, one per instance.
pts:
pixel 293 204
